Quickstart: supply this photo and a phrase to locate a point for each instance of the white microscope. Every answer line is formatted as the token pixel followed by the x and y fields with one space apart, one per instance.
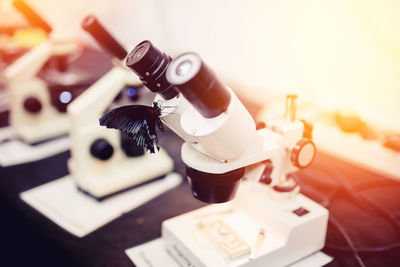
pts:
pixel 269 223
pixel 32 115
pixel 104 161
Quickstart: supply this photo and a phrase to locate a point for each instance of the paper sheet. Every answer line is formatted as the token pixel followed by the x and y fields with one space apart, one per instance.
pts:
pixel 4 100
pixel 15 151
pixel 6 133
pixel 154 254
pixel 80 214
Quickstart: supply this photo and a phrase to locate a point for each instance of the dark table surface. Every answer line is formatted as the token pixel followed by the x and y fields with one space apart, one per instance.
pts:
pixel 350 193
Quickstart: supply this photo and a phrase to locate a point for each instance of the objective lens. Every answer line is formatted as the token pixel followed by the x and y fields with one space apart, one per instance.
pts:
pixel 214 188
pixel 150 64
pixel 199 85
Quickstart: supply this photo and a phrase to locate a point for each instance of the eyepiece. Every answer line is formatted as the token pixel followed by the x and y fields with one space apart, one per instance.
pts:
pixel 198 84
pixel 103 37
pixel 150 64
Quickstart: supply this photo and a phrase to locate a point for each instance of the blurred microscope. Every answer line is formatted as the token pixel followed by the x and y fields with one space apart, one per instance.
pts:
pixel 102 161
pixel 370 140
pixel 42 82
pixel 269 223
pixel 17 36
pixel 362 143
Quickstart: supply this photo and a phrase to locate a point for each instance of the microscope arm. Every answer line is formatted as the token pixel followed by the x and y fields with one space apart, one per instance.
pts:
pixel 29 64
pixel 92 103
pixel 265 146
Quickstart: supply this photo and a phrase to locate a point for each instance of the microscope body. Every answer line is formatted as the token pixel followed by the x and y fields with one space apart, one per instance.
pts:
pixel 269 223
pixel 32 114
pixel 98 163
pixel 265 224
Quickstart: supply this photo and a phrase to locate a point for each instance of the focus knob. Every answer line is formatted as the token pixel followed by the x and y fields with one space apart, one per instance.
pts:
pixel 101 149
pixel 303 153
pixel 32 105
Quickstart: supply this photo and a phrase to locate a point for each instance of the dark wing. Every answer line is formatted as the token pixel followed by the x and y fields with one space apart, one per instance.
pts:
pixel 137 120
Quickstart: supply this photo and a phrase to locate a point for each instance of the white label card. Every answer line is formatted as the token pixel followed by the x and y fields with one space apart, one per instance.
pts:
pixel 80 214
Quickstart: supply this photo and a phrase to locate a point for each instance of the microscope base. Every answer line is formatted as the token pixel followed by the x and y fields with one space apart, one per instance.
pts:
pixel 122 173
pixel 259 228
pixel 42 130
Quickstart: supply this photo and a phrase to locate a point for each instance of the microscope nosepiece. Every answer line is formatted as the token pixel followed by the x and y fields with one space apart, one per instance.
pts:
pixel 150 64
pixel 199 85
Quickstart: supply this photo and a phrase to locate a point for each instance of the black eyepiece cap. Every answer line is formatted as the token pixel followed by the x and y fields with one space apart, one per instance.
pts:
pixel 150 64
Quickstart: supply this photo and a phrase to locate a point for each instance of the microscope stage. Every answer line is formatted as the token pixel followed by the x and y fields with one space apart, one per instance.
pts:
pixel 258 228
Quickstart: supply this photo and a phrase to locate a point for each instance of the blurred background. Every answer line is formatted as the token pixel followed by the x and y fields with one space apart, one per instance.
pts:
pixel 341 57
pixel 338 54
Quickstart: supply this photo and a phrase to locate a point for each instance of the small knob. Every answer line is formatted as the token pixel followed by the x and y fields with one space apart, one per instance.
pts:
pixel 32 105
pixel 101 149
pixel 266 175
pixel 303 153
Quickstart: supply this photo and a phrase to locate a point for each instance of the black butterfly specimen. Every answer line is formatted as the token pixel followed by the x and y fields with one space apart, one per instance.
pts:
pixel 138 121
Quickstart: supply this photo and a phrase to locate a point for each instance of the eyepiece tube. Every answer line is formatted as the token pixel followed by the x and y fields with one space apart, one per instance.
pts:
pixel 103 37
pixel 31 15
pixel 199 85
pixel 150 64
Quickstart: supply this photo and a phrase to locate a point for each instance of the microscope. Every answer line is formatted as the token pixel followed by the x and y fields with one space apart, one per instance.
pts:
pixel 102 161
pixel 268 223
pixel 38 105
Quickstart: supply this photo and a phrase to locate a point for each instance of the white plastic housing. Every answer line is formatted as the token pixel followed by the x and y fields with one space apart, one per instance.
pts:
pixel 22 83
pixel 224 137
pixel 288 237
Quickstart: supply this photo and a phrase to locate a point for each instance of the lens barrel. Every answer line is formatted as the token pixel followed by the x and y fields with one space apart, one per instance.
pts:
pixel 150 64
pixel 191 76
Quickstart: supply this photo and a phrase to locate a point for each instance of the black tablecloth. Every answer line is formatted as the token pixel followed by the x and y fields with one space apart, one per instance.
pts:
pixel 28 238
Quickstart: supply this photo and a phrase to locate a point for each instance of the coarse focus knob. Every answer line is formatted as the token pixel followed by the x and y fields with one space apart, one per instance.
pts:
pixel 32 105
pixel 101 149
pixel 303 153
